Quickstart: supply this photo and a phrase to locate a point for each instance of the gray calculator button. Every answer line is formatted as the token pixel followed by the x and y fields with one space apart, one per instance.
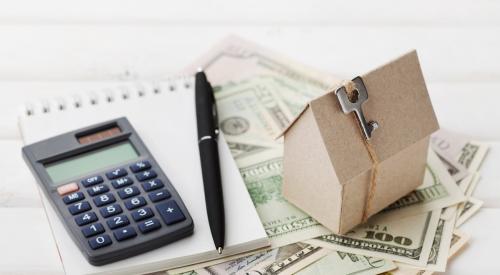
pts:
pixel 170 212
pixel 100 241
pixel 92 230
pixel 117 221
pixel 79 207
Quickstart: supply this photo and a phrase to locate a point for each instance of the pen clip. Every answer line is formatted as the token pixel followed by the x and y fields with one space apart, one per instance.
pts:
pixel 215 115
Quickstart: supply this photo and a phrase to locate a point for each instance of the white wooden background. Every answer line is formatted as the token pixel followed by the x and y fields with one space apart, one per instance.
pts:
pixel 92 42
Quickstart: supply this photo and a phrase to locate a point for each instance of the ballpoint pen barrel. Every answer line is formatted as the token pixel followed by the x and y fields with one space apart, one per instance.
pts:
pixel 213 190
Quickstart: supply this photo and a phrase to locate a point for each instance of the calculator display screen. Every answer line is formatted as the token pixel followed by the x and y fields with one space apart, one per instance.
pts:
pixel 85 163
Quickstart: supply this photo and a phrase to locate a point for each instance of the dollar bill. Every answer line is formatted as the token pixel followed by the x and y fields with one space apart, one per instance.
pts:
pixel 468 209
pixel 235 59
pixel 341 263
pixel 284 260
pixel 438 257
pixel 467 152
pixel 457 171
pixel 407 240
pixel 251 111
pixel 283 222
pixel 458 241
pixel 289 259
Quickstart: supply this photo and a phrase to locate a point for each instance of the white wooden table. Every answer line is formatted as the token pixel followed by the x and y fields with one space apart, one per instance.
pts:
pixel 102 41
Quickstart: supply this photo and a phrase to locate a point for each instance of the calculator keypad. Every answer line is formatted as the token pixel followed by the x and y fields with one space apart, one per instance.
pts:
pixel 144 206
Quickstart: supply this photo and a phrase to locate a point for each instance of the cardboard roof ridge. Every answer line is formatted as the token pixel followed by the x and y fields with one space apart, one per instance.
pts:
pixel 400 103
pixel 307 105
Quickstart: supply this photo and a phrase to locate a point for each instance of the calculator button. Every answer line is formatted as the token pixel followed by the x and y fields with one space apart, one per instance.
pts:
pixel 104 199
pixel 92 230
pixel 139 166
pixel 117 221
pixel 146 175
pixel 128 192
pixel 135 202
pixel 142 213
pixel 152 185
pixel 74 197
pixel 111 210
pixel 67 188
pixel 98 189
pixel 170 212
pixel 116 173
pixel 79 207
pixel 149 225
pixel 124 233
pixel 159 195
pixel 86 218
pixel 100 241
pixel 92 181
pixel 119 183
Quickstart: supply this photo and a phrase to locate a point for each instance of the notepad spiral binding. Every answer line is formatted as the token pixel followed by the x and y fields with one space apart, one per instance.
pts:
pixel 123 92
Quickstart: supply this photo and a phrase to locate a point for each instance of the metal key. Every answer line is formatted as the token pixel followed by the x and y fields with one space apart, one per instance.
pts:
pixel 360 96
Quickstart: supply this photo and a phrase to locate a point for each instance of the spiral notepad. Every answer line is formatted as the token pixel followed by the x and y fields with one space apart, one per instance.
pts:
pixel 164 116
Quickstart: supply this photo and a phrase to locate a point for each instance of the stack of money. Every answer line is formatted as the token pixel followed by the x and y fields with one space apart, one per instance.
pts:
pixel 258 94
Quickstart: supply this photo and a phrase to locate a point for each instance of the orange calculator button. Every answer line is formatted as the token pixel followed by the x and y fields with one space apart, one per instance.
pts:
pixel 67 188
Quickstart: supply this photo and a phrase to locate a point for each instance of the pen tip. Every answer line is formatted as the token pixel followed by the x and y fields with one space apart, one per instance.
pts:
pixel 219 249
pixel 200 69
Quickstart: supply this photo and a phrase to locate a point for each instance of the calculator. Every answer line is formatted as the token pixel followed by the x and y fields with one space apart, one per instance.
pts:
pixel 109 192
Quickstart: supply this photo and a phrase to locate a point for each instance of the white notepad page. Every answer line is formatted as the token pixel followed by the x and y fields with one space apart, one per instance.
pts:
pixel 164 117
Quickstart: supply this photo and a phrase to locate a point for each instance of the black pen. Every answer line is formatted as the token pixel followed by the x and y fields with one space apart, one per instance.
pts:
pixel 208 130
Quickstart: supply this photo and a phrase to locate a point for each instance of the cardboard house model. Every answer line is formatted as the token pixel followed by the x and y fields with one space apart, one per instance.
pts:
pixel 328 168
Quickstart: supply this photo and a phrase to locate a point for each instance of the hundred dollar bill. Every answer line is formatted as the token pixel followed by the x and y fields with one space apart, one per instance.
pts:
pixel 341 263
pixel 200 266
pixel 458 241
pixel 283 222
pixel 284 260
pixel 457 171
pixel 235 59
pixel 436 192
pixel 438 257
pixel 251 111
pixel 407 240
pixel 467 210
pixel 237 266
pixel 467 152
